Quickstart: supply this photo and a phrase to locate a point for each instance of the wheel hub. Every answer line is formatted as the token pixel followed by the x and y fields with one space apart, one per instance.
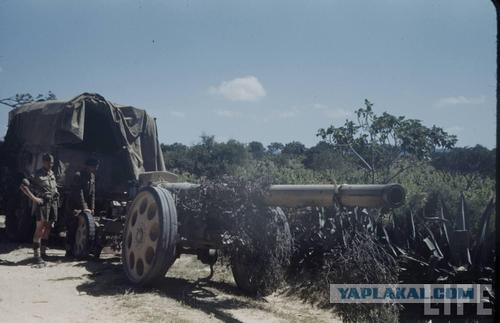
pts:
pixel 139 236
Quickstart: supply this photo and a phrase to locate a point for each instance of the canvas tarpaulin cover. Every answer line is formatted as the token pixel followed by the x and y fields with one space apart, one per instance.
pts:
pixel 41 126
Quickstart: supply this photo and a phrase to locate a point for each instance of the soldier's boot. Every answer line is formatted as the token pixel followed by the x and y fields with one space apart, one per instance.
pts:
pixel 43 249
pixel 69 251
pixel 36 254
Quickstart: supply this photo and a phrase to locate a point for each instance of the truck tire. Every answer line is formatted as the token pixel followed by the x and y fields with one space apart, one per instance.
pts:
pixel 85 234
pixel 149 236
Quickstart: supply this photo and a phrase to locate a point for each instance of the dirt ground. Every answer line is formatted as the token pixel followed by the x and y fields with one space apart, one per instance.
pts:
pixel 86 291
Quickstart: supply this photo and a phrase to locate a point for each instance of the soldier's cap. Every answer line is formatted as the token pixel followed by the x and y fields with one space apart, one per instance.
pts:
pixel 92 162
pixel 48 157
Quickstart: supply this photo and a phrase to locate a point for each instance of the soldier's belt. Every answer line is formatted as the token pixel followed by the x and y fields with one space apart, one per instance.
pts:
pixel 49 198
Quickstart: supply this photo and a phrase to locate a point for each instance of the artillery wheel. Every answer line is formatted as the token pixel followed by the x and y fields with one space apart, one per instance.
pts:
pixel 259 268
pixel 149 236
pixel 84 235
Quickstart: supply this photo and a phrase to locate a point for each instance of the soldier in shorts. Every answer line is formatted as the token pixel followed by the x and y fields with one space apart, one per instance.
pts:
pixel 41 188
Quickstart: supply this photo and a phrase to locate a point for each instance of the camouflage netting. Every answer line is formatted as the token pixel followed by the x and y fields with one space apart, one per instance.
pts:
pixel 257 242
pixel 255 238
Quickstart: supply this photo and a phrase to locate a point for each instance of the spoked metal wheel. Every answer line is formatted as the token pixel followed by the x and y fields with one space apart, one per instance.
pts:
pixel 149 236
pixel 84 235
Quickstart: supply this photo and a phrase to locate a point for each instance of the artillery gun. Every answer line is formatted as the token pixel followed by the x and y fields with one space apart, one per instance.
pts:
pixel 137 204
pixel 155 233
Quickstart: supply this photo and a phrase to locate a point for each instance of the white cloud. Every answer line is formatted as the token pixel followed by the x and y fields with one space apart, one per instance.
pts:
pixel 177 114
pixel 246 88
pixel 227 113
pixel 459 100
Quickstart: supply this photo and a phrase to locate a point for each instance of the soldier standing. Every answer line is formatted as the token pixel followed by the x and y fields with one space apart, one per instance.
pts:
pixel 45 198
pixel 82 198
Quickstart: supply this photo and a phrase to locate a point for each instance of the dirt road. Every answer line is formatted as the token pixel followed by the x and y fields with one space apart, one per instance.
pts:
pixel 86 291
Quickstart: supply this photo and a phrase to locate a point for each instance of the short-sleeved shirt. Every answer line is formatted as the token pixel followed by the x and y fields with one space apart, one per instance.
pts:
pixel 43 184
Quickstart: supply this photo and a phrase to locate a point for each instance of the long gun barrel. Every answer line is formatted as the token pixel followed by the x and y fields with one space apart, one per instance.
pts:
pixel 364 195
pixel 369 196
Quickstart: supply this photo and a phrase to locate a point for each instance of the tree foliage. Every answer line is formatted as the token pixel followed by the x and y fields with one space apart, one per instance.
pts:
pixel 23 98
pixel 207 158
pixel 256 149
pixel 402 150
pixel 294 148
pixel 275 148
pixel 379 142
pixel 466 160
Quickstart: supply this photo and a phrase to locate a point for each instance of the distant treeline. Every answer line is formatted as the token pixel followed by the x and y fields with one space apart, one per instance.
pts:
pixel 210 158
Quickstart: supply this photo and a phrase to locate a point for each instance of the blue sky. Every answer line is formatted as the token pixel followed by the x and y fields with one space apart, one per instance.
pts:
pixel 260 70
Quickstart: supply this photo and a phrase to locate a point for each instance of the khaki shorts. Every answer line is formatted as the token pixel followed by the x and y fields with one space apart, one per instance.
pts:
pixel 47 213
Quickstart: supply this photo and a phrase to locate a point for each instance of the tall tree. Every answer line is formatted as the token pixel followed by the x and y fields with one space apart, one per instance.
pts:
pixel 383 144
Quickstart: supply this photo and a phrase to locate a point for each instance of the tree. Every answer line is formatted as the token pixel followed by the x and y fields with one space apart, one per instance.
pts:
pixel 275 148
pixel 323 156
pixel 294 148
pixel 229 155
pixel 176 157
pixel 256 149
pixel 210 158
pixel 383 143
pixel 23 98
pixel 470 162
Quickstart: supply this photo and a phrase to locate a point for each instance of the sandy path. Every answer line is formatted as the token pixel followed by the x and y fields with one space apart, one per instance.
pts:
pixel 90 291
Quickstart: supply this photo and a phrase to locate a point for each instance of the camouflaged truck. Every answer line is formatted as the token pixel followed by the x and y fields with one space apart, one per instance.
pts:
pixel 123 139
